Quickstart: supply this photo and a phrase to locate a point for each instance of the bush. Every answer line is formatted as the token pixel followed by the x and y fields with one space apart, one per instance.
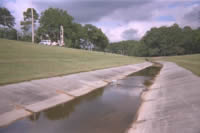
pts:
pixel 8 33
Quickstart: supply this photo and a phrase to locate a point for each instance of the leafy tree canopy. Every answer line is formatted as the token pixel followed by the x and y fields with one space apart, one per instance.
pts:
pixel 163 41
pixel 75 34
pixel 96 36
pixel 27 22
pixel 6 19
pixel 50 22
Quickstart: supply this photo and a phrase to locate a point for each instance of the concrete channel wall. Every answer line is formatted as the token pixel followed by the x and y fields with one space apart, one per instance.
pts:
pixel 172 104
pixel 23 99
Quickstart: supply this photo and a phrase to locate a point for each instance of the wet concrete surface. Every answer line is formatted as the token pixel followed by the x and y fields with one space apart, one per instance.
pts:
pixel 107 110
pixel 21 99
pixel 172 103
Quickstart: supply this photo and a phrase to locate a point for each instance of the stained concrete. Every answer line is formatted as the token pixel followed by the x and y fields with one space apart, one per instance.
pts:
pixel 172 103
pixel 22 99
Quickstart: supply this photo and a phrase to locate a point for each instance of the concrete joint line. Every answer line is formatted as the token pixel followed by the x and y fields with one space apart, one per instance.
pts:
pixel 149 100
pixel 92 85
pixel 152 89
pixel 117 71
pixel 106 81
pixel 17 106
pixel 139 121
pixel 64 92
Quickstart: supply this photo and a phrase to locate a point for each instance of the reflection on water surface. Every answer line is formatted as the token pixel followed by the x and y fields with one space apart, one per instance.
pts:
pixel 106 110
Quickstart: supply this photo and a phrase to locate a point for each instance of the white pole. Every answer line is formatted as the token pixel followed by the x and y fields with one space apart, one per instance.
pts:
pixel 32 26
pixel 17 36
pixel 61 35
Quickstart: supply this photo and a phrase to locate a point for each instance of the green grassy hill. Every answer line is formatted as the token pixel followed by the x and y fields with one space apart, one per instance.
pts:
pixel 20 61
pixel 190 62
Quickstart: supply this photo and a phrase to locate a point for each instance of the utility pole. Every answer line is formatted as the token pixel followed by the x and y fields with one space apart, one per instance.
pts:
pixel 17 36
pixel 61 36
pixel 32 25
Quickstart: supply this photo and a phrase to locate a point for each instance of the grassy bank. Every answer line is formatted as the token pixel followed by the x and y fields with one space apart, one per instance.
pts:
pixel 190 62
pixel 20 61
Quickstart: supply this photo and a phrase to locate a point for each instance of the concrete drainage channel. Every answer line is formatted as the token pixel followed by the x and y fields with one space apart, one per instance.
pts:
pixel 172 103
pixel 108 109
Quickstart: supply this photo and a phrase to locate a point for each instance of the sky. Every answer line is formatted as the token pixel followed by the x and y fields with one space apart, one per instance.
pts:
pixel 118 19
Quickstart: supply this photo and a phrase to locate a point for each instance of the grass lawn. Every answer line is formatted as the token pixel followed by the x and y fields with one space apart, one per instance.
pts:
pixel 21 61
pixel 190 62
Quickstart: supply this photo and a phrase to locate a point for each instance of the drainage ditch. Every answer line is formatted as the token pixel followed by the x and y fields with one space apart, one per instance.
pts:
pixel 107 110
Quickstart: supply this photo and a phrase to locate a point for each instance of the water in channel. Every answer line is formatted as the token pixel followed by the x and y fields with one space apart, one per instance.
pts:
pixel 107 110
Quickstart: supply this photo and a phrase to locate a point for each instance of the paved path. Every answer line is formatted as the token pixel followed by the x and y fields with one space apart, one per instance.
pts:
pixel 22 99
pixel 172 105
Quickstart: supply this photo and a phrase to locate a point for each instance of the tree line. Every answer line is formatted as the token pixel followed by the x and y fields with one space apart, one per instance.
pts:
pixel 163 41
pixel 7 21
pixel 48 28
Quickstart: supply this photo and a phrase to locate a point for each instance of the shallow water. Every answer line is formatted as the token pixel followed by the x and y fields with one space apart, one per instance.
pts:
pixel 107 110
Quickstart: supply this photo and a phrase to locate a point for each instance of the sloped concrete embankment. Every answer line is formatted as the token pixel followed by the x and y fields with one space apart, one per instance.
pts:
pixel 23 99
pixel 172 104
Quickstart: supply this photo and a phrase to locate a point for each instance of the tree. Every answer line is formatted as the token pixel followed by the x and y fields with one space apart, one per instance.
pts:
pixel 8 33
pixel 188 39
pixel 50 22
pixel 27 22
pixel 197 41
pixel 130 48
pixel 75 35
pixel 78 36
pixel 162 41
pixel 6 19
pixel 96 37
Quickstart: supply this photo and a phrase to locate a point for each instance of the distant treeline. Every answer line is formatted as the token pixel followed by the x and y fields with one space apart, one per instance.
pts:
pixel 163 41
pixel 48 26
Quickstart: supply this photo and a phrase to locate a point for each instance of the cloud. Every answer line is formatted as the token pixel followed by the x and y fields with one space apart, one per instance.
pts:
pixel 90 11
pixel 115 34
pixel 130 34
pixel 17 8
pixel 193 17
pixel 119 19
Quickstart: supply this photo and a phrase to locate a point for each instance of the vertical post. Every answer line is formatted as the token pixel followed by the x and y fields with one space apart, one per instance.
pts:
pixel 32 25
pixel 61 35
pixel 17 36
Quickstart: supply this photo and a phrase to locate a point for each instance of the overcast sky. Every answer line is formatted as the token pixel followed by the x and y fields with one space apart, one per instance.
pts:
pixel 119 19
